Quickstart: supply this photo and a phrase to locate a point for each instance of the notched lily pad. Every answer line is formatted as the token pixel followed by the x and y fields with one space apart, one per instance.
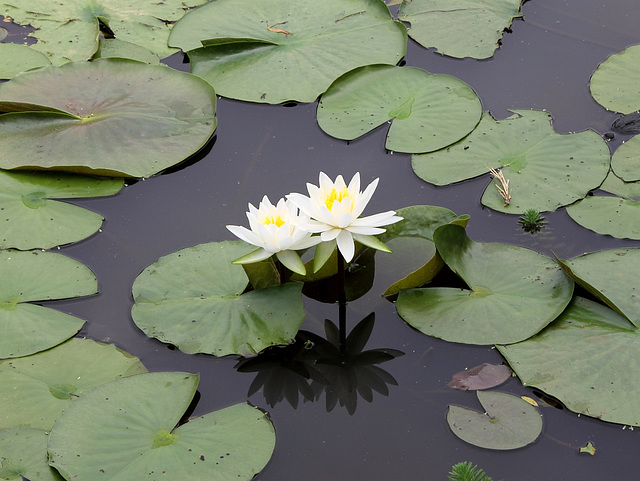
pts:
pixel 23 455
pixel 38 276
pixel 111 113
pixel 193 299
pixel 16 58
pixel 615 83
pixel 507 423
pixel 625 161
pixel 127 429
pixel 545 170
pixel 513 293
pixel 427 111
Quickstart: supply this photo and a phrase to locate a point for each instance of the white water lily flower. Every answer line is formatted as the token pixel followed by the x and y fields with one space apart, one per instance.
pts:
pixel 334 209
pixel 275 230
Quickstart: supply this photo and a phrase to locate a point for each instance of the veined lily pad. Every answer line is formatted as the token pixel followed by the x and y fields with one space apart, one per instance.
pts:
pixel 38 276
pixel 37 388
pixel 588 359
pixel 16 58
pixel 193 299
pixel 32 220
pixel 625 161
pixel 114 48
pixel 545 170
pixel 614 216
pixel 127 430
pixel 279 50
pixel 428 112
pixel 616 82
pixel 610 276
pixel 68 30
pixel 23 455
pixel 514 293
pixel 507 423
pixel 414 261
pixel 459 28
pixel 105 117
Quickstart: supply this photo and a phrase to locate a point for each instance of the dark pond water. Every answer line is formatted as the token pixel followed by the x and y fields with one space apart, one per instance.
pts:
pixel 545 63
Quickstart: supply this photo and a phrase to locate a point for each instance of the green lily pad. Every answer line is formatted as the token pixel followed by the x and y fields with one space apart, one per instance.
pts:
pixel 36 389
pixel 279 50
pixel 127 430
pixel 615 83
pixel 16 58
pixel 32 220
pixel 614 216
pixel 111 113
pixel 23 455
pixel 625 161
pixel 411 239
pixel 428 112
pixel 507 422
pixel 193 299
pixel 68 30
pixel 459 28
pixel 545 170
pixel 609 275
pixel 38 276
pixel 588 359
pixel 514 293
pixel 114 48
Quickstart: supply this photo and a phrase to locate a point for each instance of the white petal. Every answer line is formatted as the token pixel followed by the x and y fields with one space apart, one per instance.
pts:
pixel 246 235
pixel 354 185
pixel 364 199
pixel 306 243
pixel 365 230
pixel 377 220
pixel 330 234
pixel 345 245
pixel 344 220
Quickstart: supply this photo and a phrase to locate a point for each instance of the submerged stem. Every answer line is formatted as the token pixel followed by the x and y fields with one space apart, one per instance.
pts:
pixel 342 305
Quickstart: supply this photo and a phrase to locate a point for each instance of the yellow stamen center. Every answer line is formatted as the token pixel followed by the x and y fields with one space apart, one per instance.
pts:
pixel 335 195
pixel 277 220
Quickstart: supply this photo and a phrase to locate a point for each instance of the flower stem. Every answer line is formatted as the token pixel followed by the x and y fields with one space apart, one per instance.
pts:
pixel 342 305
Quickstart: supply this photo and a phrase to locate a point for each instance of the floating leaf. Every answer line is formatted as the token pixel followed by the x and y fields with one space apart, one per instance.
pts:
pixel 23 455
pixel 16 58
pixel 114 48
pixel 614 216
pixel 37 388
pixel 588 359
pixel 32 220
pixel 607 275
pixel 615 84
pixel 484 376
pixel 68 30
pixel 111 113
pixel 414 261
pixel 279 50
pixel 514 293
pixel 507 423
pixel 428 112
pixel 459 28
pixel 589 449
pixel 127 430
pixel 625 161
pixel 193 299
pixel 545 170
pixel 38 276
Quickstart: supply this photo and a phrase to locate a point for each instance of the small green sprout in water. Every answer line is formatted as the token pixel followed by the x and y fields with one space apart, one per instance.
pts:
pixel 466 471
pixel 532 221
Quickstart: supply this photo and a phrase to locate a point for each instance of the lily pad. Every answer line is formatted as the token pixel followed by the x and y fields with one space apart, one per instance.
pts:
pixel 609 275
pixel 459 28
pixel 625 161
pixel 38 276
pixel 114 48
pixel 111 113
pixel 16 58
pixel 279 50
pixel 23 455
pixel 428 112
pixel 32 220
pixel 514 293
pixel 36 389
pixel 68 30
pixel 614 216
pixel 588 359
pixel 616 82
pixel 127 430
pixel 545 170
pixel 414 261
pixel 507 423
pixel 484 376
pixel 193 299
